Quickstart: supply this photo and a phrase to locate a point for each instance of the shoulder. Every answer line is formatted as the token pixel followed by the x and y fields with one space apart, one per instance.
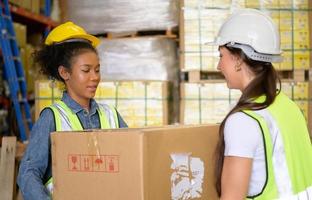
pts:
pixel 240 120
pixel 46 113
pixel 242 135
pixel 45 123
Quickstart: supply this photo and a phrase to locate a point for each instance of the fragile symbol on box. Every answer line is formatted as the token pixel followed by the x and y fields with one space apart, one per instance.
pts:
pixel 93 163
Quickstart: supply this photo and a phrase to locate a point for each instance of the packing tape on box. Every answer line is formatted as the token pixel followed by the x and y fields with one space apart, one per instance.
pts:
pixel 187 177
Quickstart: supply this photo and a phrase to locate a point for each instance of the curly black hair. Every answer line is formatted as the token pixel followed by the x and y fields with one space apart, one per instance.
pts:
pixel 50 57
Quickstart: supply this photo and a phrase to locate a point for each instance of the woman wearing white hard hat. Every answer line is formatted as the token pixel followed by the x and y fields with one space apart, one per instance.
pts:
pixel 69 55
pixel 264 149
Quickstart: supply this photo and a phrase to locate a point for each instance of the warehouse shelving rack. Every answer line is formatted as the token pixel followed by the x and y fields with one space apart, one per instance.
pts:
pixel 12 62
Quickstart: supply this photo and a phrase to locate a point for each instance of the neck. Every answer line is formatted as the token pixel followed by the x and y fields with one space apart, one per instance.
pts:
pixel 247 77
pixel 83 102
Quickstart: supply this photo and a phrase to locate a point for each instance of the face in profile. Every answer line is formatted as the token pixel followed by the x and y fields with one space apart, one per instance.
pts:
pixel 226 65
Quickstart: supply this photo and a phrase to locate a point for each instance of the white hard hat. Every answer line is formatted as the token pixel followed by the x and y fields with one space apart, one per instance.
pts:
pixel 254 33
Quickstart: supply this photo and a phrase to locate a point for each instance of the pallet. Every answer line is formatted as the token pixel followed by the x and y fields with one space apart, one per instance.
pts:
pixel 7 167
pixel 169 33
pixel 11 154
pixel 197 76
pixel 296 74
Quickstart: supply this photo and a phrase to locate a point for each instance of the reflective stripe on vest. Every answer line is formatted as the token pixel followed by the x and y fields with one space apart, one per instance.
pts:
pixel 288 151
pixel 67 120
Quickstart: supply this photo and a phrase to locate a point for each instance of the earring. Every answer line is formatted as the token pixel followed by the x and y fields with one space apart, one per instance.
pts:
pixel 238 67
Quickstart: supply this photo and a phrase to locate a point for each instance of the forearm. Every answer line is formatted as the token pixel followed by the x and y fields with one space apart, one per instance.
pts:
pixel 35 163
pixel 32 187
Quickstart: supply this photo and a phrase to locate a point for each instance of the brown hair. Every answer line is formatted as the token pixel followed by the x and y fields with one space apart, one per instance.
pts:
pixel 264 83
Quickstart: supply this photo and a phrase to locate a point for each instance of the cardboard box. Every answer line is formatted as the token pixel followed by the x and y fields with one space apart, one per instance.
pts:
pixel 135 164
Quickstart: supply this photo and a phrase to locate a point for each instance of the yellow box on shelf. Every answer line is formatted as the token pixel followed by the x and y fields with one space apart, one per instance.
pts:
pixel 296 90
pixel 302 59
pixel 275 15
pixel 26 4
pixel 286 20
pixel 285 3
pixel 287 63
pixel 46 92
pixel 301 39
pixel 31 70
pixel 286 39
pixel 20 33
pixel 300 4
pixel 207 3
pixel 269 4
pixel 304 107
pixel 299 92
pixel 301 20
pixel 16 2
pixel 48 89
pixel 252 4
pixel 200 61
pixel 140 103
pixel 35 6
pixel 206 102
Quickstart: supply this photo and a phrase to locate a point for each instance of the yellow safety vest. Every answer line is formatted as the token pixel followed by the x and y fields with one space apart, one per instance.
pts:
pixel 67 120
pixel 288 151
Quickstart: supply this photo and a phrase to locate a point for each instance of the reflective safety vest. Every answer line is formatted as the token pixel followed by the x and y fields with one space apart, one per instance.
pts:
pixel 288 151
pixel 67 120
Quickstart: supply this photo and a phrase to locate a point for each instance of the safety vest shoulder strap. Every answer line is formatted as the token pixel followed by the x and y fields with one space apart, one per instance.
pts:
pixel 269 190
pixel 65 118
pixel 108 116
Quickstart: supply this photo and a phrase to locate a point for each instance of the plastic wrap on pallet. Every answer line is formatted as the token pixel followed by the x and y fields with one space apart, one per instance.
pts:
pixel 98 16
pixel 142 58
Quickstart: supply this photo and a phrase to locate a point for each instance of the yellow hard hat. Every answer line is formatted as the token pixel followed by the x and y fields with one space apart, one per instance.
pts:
pixel 67 31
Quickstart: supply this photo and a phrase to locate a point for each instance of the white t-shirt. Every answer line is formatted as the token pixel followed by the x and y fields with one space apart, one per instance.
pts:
pixel 243 138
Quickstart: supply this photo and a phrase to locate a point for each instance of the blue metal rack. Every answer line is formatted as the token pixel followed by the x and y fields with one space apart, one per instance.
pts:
pixel 47 12
pixel 14 72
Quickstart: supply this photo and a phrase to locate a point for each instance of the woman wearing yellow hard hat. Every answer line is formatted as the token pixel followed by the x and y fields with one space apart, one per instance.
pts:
pixel 264 150
pixel 68 55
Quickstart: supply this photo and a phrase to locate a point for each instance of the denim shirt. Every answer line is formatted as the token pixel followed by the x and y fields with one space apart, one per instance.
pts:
pixel 36 165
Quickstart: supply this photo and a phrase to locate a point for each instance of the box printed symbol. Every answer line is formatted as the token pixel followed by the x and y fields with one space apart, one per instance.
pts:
pixel 112 162
pixel 86 163
pixel 93 163
pixel 111 165
pixel 99 163
pixel 74 162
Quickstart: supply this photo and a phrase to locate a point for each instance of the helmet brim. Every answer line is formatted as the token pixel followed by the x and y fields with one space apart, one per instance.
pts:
pixel 94 40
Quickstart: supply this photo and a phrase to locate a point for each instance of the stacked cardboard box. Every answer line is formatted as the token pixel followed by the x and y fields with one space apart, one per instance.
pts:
pixel 210 102
pixel 206 102
pixel 31 5
pixel 46 92
pixel 20 33
pixel 140 103
pixel 201 20
pixel 299 92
